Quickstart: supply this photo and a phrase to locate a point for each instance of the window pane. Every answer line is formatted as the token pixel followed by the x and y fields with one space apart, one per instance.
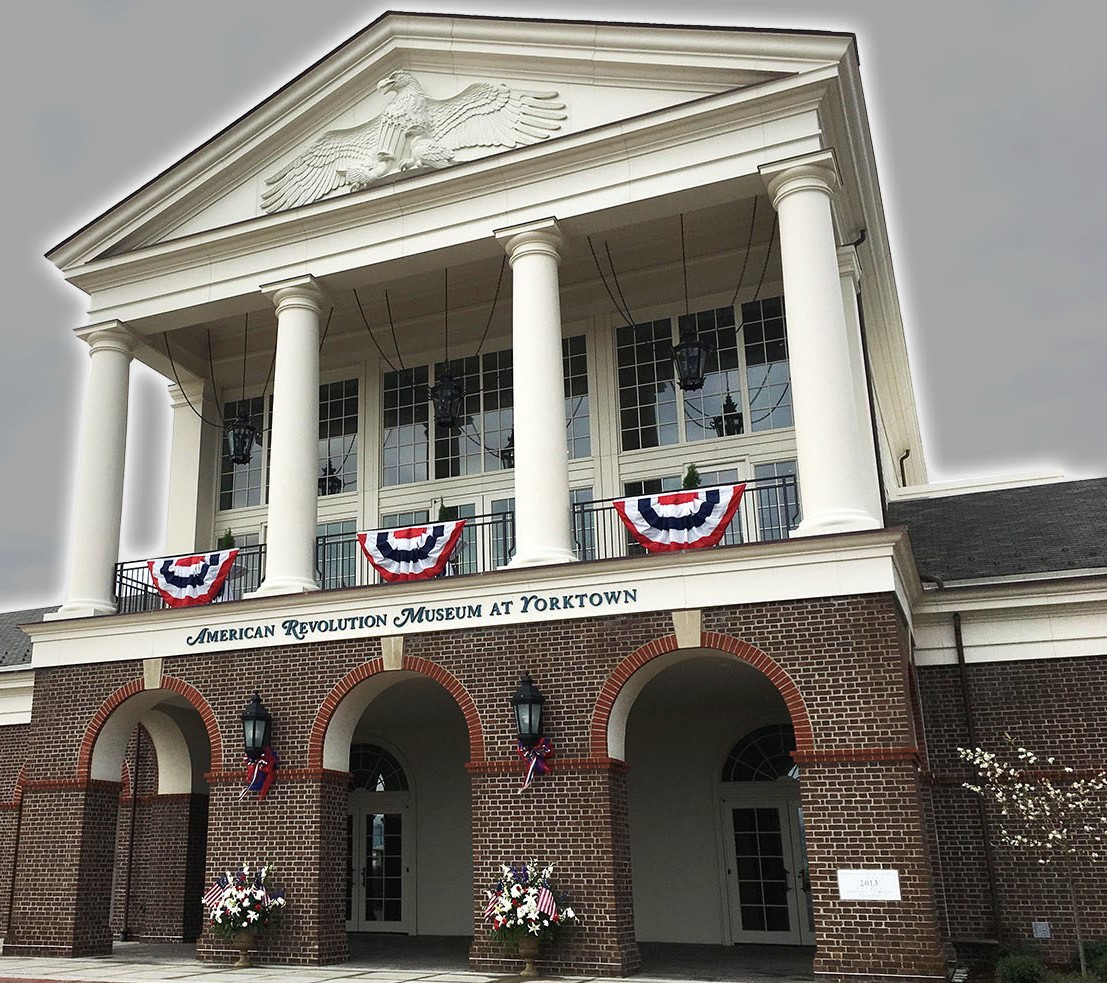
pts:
pixel 338 415
pixel 647 401
pixel 716 409
pixel 767 376
pixel 498 420
pixel 406 423
pixel 240 484
pixel 336 554
pixel 574 362
pixel 457 451
pixel 778 504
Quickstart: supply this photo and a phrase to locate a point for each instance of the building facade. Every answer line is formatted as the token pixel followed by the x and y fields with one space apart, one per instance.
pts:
pixel 754 743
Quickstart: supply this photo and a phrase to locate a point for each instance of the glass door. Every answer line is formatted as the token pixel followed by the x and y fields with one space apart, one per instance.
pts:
pixel 379 896
pixel 766 872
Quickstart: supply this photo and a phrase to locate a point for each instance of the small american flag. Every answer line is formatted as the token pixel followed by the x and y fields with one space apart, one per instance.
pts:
pixel 491 906
pixel 546 901
pixel 215 892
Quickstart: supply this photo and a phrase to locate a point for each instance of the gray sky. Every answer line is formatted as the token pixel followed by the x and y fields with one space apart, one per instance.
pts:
pixel 988 122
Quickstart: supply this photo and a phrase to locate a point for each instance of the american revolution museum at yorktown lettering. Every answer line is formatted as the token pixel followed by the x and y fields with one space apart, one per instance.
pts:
pixel 301 630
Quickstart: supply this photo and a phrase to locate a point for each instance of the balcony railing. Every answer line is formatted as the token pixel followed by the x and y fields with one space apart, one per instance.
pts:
pixel 768 511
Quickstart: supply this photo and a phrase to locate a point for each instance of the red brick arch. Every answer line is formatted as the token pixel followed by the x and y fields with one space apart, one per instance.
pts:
pixel 135 686
pixel 371 668
pixel 786 686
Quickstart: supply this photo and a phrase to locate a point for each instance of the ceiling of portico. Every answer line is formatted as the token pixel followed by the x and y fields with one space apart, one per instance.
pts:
pixel 731 249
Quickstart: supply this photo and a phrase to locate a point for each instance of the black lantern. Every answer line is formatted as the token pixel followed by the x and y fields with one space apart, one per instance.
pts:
pixel 447 396
pixel 241 437
pixel 507 452
pixel 690 358
pixel 256 725
pixel 528 711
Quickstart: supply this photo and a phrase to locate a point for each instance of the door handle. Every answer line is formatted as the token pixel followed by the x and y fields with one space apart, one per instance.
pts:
pixel 364 878
pixel 805 880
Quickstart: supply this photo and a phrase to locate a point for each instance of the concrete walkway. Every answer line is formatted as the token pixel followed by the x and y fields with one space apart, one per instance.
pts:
pixel 389 959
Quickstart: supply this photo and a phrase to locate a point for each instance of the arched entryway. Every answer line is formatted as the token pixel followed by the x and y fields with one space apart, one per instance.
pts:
pixel 157 744
pixel 405 739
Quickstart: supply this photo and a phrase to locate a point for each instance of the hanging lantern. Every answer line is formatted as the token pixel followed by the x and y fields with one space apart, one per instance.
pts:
pixel 447 396
pixel 507 452
pixel 256 725
pixel 690 358
pixel 528 702
pixel 241 437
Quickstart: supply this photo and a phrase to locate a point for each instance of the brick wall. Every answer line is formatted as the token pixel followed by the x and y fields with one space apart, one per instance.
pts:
pixel 13 747
pixel 844 658
pixel 1055 707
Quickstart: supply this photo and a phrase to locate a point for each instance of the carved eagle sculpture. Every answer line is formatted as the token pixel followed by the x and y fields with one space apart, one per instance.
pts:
pixel 432 131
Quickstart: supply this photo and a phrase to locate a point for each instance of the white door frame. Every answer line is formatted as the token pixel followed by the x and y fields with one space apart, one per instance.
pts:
pixel 783 794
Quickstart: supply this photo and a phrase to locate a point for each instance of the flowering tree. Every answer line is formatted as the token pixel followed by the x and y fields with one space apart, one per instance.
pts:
pixel 1047 809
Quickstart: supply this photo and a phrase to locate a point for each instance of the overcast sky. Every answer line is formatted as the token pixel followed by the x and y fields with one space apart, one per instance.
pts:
pixel 988 119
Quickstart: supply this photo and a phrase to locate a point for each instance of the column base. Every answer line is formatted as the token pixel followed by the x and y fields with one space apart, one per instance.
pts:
pixel 81 608
pixel 543 556
pixel 283 585
pixel 837 520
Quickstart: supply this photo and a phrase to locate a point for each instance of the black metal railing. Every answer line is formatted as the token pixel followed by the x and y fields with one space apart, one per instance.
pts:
pixel 769 510
pixel 135 591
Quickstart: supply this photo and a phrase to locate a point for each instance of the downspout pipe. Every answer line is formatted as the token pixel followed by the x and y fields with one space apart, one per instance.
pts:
pixel 970 729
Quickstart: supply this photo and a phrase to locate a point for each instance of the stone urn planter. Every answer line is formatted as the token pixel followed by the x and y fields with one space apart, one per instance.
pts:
pixel 243 941
pixel 528 951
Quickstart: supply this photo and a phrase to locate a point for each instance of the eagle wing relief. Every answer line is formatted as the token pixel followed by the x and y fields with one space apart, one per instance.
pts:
pixel 337 158
pixel 485 114
pixel 488 115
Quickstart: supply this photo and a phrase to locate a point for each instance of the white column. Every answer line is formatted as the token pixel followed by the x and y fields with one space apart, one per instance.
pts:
pixel 294 441
pixel 849 277
pixel 834 478
pixel 192 469
pixel 542 527
pixel 98 505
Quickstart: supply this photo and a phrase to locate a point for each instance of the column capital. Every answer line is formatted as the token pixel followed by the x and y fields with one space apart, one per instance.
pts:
pixel 299 291
pixel 108 336
pixel 817 171
pixel 188 390
pixel 849 265
pixel 543 237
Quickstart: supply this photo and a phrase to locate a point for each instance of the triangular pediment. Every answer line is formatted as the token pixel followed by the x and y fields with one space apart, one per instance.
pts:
pixel 416 94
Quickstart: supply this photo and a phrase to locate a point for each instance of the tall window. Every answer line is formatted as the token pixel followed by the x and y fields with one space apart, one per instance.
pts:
pixel 338 437
pixel 240 485
pixel 406 425
pixel 747 387
pixel 484 439
pixel 778 506
pixel 245 485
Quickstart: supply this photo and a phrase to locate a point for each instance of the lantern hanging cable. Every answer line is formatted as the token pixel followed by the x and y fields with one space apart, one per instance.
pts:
pixel 684 265
pixel 365 321
pixel 746 257
pixel 495 300
pixel 326 328
pixel 603 279
pixel 446 313
pixel 392 327
pixel 618 286
pixel 180 386
pixel 211 369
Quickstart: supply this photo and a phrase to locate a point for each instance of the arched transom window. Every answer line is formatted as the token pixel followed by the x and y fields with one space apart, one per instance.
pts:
pixel 763 755
pixel 374 769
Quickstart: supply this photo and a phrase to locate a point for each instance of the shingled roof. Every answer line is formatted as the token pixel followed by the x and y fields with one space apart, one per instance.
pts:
pixel 1007 532
pixel 15 646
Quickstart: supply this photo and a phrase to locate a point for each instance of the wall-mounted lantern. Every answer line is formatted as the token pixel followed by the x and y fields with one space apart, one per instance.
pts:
pixel 528 702
pixel 256 727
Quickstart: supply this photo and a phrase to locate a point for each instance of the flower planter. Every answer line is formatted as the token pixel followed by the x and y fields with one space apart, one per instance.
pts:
pixel 528 950
pixel 243 941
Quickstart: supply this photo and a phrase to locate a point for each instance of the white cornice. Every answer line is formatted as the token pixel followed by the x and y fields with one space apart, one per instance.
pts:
pixel 819 566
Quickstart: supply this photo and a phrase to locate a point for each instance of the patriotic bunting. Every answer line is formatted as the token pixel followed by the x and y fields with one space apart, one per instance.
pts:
pixel 681 520
pixel 534 758
pixel 417 553
pixel 187 580
pixel 261 774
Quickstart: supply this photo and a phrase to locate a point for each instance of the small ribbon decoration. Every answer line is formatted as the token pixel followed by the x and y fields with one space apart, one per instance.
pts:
pixel 535 758
pixel 261 774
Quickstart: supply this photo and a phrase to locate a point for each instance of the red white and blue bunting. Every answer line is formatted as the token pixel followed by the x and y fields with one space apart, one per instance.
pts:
pixel 187 580
pixel 681 520
pixel 417 553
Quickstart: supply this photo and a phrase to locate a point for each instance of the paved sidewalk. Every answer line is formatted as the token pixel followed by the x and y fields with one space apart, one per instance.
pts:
pixel 400 961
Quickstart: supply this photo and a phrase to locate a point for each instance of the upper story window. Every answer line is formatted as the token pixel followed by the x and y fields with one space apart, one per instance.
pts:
pixel 485 439
pixel 747 387
pixel 245 485
pixel 338 418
